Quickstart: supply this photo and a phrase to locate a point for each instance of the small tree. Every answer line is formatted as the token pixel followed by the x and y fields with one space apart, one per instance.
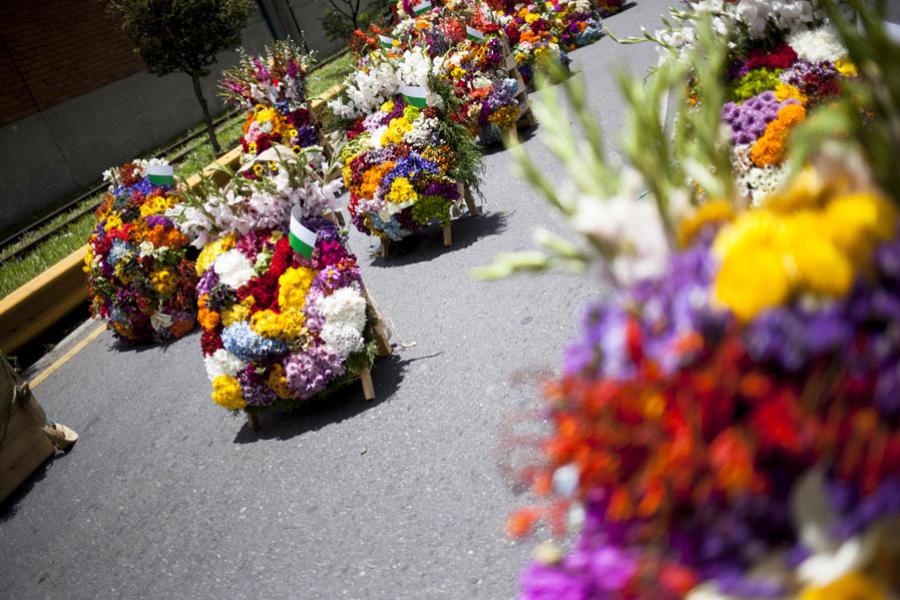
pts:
pixel 343 17
pixel 185 36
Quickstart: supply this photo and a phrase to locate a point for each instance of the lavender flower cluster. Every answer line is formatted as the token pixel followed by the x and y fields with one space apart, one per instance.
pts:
pixel 748 121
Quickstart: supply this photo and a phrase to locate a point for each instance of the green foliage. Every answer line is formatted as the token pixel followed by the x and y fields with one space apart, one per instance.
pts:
pixel 182 35
pixel 469 163
pixel 345 16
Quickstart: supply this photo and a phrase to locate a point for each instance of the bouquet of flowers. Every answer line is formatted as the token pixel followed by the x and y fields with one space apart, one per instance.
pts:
pixel 533 39
pixel 726 425
pixel 280 326
pixel 272 89
pixel 140 271
pixel 405 159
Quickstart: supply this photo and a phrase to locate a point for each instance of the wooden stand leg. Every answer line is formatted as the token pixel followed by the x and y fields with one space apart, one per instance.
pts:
pixel 340 218
pixel 385 246
pixel 253 421
pixel 382 333
pixel 470 202
pixel 365 377
pixel 448 235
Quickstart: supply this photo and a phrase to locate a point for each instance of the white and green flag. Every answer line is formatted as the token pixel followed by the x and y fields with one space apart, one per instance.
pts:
pixel 385 41
pixel 415 95
pixel 422 7
pixel 161 175
pixel 475 35
pixel 303 240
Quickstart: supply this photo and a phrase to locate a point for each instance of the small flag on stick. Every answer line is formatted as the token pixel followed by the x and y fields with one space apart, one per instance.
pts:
pixel 421 7
pixel 415 95
pixel 161 175
pixel 303 240
pixel 385 41
pixel 474 34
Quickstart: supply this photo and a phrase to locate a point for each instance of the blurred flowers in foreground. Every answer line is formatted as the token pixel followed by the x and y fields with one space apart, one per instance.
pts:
pixel 726 423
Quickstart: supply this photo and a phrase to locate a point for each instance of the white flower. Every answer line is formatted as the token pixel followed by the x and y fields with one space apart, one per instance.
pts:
pixel 817 45
pixel 222 362
pixel 814 518
pixel 233 268
pixel 145 248
pixel 160 321
pixel 346 306
pixel 344 339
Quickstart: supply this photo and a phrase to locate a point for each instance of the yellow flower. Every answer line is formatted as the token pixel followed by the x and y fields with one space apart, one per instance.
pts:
pixel 715 212
pixel 278 382
pixel 785 91
pixel 531 18
pixel 227 392
pixel 858 222
pixel 293 324
pixel 805 190
pixel 266 323
pixel 396 129
pixel 401 191
pixel 266 114
pixel 751 282
pixel 258 169
pixel 211 252
pixel 852 586
pixel 112 222
pixel 234 314
pixel 164 281
pixel 387 106
pixel 846 68
pixel 293 286
pixel 251 147
pixel 411 113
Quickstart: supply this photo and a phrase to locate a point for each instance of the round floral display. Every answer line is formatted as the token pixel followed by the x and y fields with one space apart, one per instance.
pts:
pixel 141 277
pixel 278 328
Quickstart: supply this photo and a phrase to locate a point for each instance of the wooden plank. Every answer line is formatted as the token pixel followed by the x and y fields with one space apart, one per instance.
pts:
pixel 448 234
pixel 20 456
pixel 382 333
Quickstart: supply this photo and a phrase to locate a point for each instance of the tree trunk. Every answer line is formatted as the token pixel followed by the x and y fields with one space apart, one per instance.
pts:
pixel 210 130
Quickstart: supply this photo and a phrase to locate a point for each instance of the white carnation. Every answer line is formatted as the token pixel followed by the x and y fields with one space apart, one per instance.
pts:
pixel 233 268
pixel 222 362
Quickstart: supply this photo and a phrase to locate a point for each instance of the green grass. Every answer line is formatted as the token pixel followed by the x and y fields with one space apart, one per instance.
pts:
pixel 17 271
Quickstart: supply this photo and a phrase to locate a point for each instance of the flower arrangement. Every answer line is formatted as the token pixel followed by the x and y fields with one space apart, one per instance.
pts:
pixel 140 270
pixel 280 328
pixel 272 89
pixel 725 426
pixel 406 157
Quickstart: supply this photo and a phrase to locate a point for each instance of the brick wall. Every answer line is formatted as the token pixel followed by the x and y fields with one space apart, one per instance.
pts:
pixel 53 50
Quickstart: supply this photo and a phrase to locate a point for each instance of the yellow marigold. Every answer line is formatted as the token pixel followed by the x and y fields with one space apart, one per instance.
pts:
pixel 387 106
pixel 372 179
pixel 852 586
pixel 227 392
pixel 211 252
pixel 293 286
pixel 715 212
pixel 234 314
pixel 401 191
pixel 88 259
pixel 858 222
pixel 786 91
pixel 846 68
pixel 769 149
pixel 164 281
pixel 751 282
pixel 278 382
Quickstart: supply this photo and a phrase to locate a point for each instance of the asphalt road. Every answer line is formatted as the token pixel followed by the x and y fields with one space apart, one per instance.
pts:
pixel 166 495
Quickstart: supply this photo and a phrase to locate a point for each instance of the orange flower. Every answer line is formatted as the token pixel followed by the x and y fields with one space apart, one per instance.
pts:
pixel 769 149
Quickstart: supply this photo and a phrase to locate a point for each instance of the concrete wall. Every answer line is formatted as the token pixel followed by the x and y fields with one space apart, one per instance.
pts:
pixel 53 153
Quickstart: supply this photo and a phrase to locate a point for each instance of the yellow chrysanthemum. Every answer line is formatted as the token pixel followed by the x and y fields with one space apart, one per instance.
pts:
pixel 211 252
pixel 387 106
pixel 227 392
pixel 266 323
pixel 278 382
pixel 293 286
pixel 785 91
pixel 266 114
pixel 234 314
pixel 852 586
pixel 157 205
pixel 401 191
pixel 807 189
pixel 751 282
pixel 293 324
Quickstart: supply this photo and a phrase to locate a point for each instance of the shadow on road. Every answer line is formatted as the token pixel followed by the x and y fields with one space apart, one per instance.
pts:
pixel 10 506
pixel 428 246
pixel 344 404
